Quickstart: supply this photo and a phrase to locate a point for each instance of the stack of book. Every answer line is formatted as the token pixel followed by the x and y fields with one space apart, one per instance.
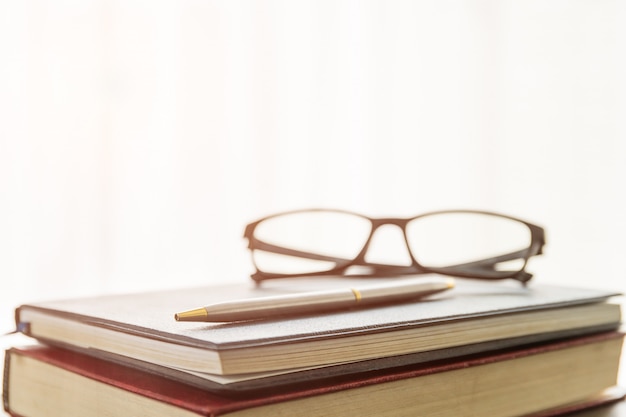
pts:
pixel 481 349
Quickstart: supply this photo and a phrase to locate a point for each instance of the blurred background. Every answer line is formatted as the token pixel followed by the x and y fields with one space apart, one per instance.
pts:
pixel 137 138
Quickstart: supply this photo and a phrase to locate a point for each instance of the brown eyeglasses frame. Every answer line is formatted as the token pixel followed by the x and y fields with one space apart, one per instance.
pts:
pixel 484 269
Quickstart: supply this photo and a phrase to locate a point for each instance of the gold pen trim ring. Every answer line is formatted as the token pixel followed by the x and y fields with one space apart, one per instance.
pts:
pixel 357 294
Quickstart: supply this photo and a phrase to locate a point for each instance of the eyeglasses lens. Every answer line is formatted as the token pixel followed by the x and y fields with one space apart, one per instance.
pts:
pixel 446 239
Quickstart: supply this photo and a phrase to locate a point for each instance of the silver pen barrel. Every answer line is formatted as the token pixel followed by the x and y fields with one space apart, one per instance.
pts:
pixel 315 302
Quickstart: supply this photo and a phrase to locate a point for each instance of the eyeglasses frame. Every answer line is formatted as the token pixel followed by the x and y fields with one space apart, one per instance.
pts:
pixel 482 269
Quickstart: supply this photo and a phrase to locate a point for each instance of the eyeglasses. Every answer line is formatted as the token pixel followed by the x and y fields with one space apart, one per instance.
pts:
pixel 460 243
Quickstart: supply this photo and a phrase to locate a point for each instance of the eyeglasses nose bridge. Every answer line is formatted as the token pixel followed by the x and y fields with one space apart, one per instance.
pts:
pixel 376 224
pixel 401 223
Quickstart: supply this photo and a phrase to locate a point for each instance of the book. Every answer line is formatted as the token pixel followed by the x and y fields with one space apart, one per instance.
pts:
pixel 474 317
pixel 544 379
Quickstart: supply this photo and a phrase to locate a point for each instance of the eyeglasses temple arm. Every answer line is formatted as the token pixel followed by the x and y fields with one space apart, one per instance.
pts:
pixel 483 265
pixel 268 247
pixel 493 261
pixel 488 265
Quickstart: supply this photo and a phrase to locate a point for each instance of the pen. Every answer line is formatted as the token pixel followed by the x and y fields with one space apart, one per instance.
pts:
pixel 316 302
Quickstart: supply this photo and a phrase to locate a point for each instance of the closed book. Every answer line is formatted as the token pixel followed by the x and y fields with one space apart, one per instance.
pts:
pixel 473 317
pixel 544 379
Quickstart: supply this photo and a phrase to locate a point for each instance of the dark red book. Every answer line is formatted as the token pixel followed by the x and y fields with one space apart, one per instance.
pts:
pixel 543 379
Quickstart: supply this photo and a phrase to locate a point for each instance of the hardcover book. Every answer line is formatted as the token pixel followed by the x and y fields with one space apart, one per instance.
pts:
pixel 474 317
pixel 544 379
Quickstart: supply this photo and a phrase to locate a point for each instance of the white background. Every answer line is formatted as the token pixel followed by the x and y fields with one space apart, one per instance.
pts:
pixel 137 138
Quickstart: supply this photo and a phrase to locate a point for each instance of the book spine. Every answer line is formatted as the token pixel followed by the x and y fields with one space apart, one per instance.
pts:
pixel 5 381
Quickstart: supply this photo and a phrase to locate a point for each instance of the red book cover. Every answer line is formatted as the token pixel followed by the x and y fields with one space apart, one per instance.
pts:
pixel 207 403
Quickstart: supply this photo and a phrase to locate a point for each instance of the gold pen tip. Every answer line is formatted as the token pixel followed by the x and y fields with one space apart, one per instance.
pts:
pixel 450 283
pixel 199 314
